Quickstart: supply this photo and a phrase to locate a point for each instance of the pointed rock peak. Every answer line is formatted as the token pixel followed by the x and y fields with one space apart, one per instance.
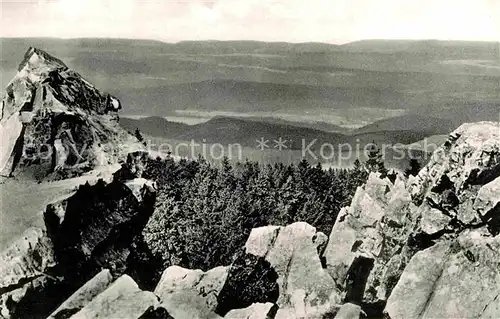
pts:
pixel 36 58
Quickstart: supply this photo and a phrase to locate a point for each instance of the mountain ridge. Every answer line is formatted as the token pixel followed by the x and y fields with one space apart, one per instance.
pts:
pixel 231 130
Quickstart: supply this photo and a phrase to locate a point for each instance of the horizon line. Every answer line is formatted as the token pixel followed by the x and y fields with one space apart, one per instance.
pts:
pixel 252 40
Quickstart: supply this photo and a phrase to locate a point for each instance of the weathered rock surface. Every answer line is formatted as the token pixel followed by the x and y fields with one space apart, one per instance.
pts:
pixel 305 288
pixel 123 299
pixel 470 156
pixel 407 242
pixel 25 266
pixel 487 204
pixel 349 311
pixel 29 257
pixel 83 295
pixel 365 238
pixel 459 278
pixel 55 120
pixel 187 293
pixel 99 226
pixel 255 311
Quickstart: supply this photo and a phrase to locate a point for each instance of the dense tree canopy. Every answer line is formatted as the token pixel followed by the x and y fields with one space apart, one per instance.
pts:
pixel 205 212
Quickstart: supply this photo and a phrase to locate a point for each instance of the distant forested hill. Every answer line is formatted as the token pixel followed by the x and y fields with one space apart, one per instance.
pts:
pixel 443 79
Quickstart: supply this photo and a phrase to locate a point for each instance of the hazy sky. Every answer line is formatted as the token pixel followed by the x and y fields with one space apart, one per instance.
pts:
pixel 335 21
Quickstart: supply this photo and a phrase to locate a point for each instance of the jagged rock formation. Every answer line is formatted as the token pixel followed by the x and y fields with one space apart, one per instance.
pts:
pixel 455 278
pixel 83 295
pixel 53 120
pixel 50 108
pixel 103 298
pixel 305 288
pixel 407 244
pixel 99 224
pixel 366 236
pixel 189 293
pixel 24 268
pixel 98 227
pixel 123 299
pixel 247 283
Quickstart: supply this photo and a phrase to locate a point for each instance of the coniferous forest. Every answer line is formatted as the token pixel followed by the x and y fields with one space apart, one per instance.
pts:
pixel 205 212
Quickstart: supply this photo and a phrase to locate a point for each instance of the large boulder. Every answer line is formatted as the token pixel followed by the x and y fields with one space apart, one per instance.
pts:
pixel 305 288
pixel 187 293
pixel 123 299
pixel 255 311
pixel 84 295
pixel 251 280
pixel 25 267
pixel 459 278
pixel 98 227
pixel 248 282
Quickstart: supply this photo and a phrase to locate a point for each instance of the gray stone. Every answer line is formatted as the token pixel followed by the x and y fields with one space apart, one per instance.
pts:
pixel 123 299
pixel 83 295
pixel 187 293
pixel 255 311
pixel 306 289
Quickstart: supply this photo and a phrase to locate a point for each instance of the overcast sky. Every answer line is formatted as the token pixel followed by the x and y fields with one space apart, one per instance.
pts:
pixel 334 21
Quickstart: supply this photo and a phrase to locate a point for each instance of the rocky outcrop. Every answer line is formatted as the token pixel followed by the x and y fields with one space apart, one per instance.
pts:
pixel 487 205
pixel 25 267
pixel 189 293
pixel 470 156
pixel 365 238
pixel 98 227
pixel 350 311
pixel 54 119
pixel 305 288
pixel 255 311
pixel 83 295
pixel 55 124
pixel 404 243
pixel 457 278
pixel 123 299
